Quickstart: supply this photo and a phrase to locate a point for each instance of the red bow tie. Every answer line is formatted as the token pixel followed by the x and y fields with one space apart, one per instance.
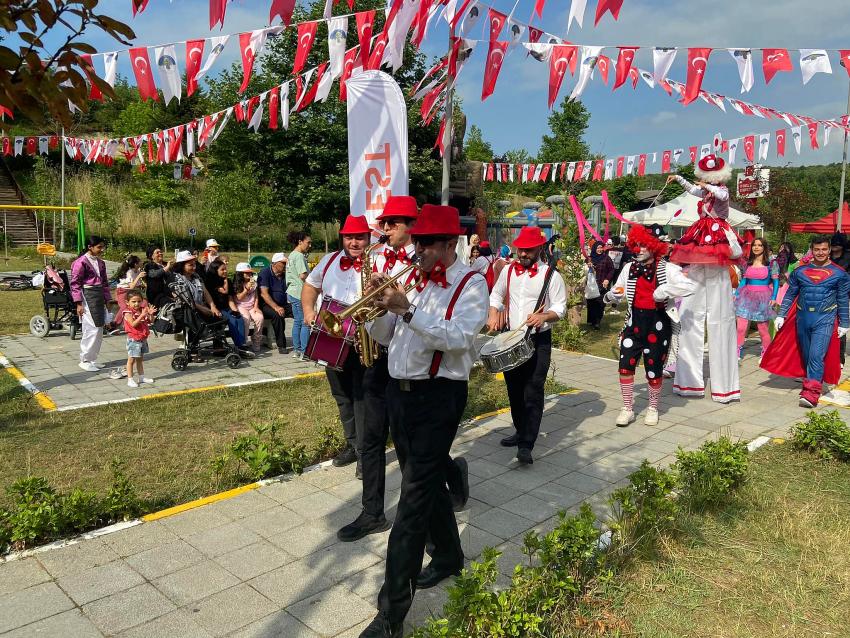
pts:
pixel 532 269
pixel 393 256
pixel 436 276
pixel 347 263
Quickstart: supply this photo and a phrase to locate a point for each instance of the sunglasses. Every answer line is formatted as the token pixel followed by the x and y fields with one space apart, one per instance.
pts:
pixel 393 221
pixel 429 240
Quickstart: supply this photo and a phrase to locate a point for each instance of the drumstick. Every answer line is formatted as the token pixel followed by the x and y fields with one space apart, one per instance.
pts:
pixel 521 328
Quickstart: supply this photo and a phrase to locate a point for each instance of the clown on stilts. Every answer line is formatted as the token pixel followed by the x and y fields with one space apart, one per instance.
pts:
pixel 708 248
pixel 650 285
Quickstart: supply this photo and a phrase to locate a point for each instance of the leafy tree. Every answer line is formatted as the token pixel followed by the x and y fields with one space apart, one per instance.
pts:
pixel 40 78
pixel 476 149
pixel 783 204
pixel 234 200
pixel 156 188
pixel 102 210
pixel 566 142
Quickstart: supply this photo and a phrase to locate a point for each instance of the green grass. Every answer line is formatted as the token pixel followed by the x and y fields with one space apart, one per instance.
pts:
pixel 604 342
pixel 772 563
pixel 16 309
pixel 168 444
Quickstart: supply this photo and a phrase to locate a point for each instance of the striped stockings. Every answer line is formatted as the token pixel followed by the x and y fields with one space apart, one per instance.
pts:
pixel 627 388
pixel 654 392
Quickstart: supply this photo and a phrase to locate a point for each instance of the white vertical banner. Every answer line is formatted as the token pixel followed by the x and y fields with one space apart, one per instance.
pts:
pixel 377 142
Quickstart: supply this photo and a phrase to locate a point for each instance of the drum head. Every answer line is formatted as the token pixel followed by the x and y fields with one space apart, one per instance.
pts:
pixel 502 342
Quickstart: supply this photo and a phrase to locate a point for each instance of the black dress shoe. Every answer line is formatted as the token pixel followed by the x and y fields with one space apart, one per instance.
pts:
pixel 381 627
pixel 431 576
pixel 460 493
pixel 510 441
pixel 523 455
pixel 346 457
pixel 363 526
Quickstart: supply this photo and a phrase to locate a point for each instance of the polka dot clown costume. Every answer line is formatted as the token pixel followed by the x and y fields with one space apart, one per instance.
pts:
pixel 708 248
pixel 650 285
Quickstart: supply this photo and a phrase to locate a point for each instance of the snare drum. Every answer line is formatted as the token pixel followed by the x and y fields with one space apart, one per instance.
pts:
pixel 323 347
pixel 506 351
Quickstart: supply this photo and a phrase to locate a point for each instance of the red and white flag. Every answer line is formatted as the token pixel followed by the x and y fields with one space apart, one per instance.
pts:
pixel 349 63
pixel 780 143
pixel 306 37
pixel 845 59
pixel 749 147
pixel 579 173
pixel 605 6
pixel 144 76
pixel 194 55
pixel 604 66
pixel 282 8
pixel 621 164
pixel 534 35
pixel 250 45
pixel 697 64
pixel 538 8
pixel 773 61
pixel 497 23
pixel 624 65
pixel 665 161
pixel 813 134
pixel 693 154
pixel 559 63
pixel 495 57
pixel 642 164
pixel 88 67
pixel 589 60
pixel 274 107
pixel 365 20
pixel 633 76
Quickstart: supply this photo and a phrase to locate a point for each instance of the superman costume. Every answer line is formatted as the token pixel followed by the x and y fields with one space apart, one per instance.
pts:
pixel 807 345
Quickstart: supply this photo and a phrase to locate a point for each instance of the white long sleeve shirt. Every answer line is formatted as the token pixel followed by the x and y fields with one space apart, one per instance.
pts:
pixel 412 346
pixel 341 285
pixel 524 292
pixel 720 206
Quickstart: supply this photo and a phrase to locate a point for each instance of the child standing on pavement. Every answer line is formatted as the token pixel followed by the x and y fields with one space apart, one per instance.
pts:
pixel 137 322
pixel 248 302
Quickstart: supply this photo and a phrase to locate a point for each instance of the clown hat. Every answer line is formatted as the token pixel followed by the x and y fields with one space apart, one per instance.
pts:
pixel 355 225
pixel 437 220
pixel 400 206
pixel 529 237
pixel 713 169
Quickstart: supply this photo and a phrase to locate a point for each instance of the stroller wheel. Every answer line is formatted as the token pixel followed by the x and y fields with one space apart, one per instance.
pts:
pixel 39 326
pixel 73 328
pixel 180 360
pixel 233 360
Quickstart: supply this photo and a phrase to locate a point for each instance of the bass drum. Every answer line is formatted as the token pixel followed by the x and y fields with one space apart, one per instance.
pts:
pixel 506 351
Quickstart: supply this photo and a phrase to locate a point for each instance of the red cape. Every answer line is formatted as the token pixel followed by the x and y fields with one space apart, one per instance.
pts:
pixel 783 356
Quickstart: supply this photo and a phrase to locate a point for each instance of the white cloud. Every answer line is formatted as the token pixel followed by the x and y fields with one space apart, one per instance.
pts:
pixel 662 117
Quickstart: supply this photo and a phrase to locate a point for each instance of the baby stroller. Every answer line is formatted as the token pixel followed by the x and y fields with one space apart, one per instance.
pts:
pixel 59 308
pixel 201 337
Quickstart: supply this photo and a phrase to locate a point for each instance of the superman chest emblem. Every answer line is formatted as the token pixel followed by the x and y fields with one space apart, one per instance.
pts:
pixel 818 275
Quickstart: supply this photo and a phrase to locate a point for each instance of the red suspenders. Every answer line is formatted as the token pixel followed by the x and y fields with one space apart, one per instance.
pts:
pixel 438 355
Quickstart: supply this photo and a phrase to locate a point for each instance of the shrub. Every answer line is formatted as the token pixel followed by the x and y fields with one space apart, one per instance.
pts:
pixel 824 434
pixel 35 511
pixel 567 336
pixel 643 509
pixel 121 502
pixel 262 455
pixel 80 510
pixel 330 440
pixel 708 475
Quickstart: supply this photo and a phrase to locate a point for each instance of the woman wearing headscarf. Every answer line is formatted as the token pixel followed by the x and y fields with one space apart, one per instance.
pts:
pixel 603 269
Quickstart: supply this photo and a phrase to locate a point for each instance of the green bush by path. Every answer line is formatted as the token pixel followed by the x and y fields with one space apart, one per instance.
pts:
pixel 824 434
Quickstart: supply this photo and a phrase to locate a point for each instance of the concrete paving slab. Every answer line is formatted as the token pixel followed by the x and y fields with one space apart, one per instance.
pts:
pixel 195 582
pixel 98 582
pixel 332 611
pixel 127 609
pixel 231 609
pixel 26 606
pixel 69 623
pixel 21 574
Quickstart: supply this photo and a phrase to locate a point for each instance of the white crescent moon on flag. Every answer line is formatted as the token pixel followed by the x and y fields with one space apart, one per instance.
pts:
pixel 775 56
pixel 143 68
pixel 363 31
pixel 695 60
pixel 561 65
pixel 194 50
pixel 308 37
pixel 496 58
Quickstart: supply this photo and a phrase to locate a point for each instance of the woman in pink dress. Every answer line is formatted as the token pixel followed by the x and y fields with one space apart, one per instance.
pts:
pixel 755 298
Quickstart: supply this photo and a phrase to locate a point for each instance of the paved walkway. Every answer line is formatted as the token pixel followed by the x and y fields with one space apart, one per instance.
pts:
pixel 267 563
pixel 51 364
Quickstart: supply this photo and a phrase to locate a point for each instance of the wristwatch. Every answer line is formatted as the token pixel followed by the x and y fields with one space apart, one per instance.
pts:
pixel 407 316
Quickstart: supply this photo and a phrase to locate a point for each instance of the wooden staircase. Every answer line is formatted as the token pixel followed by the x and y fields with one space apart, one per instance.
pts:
pixel 20 225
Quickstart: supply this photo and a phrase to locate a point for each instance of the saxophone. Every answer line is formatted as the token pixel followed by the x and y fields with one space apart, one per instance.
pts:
pixel 366 346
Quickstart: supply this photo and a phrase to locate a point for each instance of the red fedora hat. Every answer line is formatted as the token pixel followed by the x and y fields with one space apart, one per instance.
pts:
pixel 437 220
pixel 529 237
pixel 400 206
pixel 355 225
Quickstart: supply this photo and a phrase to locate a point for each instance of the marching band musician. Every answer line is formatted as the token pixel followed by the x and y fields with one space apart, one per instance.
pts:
pixel 519 287
pixel 337 275
pixel 431 333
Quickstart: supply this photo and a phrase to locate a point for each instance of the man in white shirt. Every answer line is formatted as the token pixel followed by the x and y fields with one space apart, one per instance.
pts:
pixel 431 333
pixel 337 275
pixel 519 287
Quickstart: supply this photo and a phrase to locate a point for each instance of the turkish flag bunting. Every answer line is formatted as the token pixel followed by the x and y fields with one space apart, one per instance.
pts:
pixel 282 8
pixel 274 107
pixel 579 171
pixel 94 92
pixel 377 55
pixel 459 13
pixel 813 134
pixel 665 161
pixel 845 58
pixel 239 111
pixel 642 165
pixel 624 65
pixel 545 172
pixel 633 76
pixel 598 168
pixel 365 20
pixel 534 35
pixel 144 77
pixel 248 57
pixel 348 64
pixel 604 6
pixel 429 100
pixel 693 154
pixel 420 23
pixel 306 37
pixel 504 168
pixel 750 147
pixel 139 6
pixel 194 53
pixel 780 143
pixel 559 62
pixel 54 141
pixel 217 10
pixel 529 175
pixel 603 63
pixel 488 175
pixel 497 23
pixel 310 95
pixel 539 7
pixel 31 143
pixel 563 170
pixel 7 146
pixel 495 57
pixel 621 162
pixel 773 61
pixel 697 64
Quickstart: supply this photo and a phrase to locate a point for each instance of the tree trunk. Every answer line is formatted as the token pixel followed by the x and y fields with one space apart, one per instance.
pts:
pixel 325 232
pixel 573 310
pixel 162 227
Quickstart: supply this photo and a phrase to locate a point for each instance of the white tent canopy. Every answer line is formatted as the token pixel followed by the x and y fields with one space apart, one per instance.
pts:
pixel 663 214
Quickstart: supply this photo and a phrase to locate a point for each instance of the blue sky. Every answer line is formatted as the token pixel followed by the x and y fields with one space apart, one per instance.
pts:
pixel 627 121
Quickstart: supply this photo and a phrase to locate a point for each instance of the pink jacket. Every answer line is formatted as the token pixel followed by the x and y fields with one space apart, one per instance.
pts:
pixel 82 274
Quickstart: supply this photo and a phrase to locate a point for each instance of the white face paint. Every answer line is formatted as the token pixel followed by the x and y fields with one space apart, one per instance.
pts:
pixel 643 254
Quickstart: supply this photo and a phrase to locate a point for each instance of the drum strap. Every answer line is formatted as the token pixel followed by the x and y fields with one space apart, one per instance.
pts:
pixel 437 359
pixel 543 291
pixel 330 263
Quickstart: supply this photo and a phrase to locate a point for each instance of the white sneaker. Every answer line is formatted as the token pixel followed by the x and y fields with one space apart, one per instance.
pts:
pixel 88 366
pixel 118 373
pixel 651 417
pixel 625 417
pixel 145 380
pixel 97 365
pixel 131 383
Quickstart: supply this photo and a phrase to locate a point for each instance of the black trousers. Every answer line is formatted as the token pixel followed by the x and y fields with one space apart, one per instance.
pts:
pixel 278 325
pixel 347 389
pixel 373 445
pixel 526 390
pixel 595 310
pixel 425 420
